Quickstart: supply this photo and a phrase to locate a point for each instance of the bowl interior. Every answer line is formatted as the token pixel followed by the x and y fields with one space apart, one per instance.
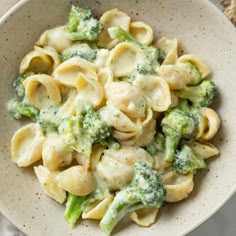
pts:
pixel 200 29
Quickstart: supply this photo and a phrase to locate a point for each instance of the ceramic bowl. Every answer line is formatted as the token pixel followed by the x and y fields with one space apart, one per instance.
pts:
pixel 202 30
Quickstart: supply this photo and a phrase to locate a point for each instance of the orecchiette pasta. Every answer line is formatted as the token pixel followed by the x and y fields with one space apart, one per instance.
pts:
pixel 144 217
pixel 77 180
pixel 68 71
pixel 116 167
pixel 49 184
pixel 209 123
pixel 176 77
pixel 203 68
pixel 170 48
pixel 109 19
pixel 142 32
pixel 178 186
pixel 56 38
pixel 26 145
pixel 124 59
pixel 156 91
pixel 127 98
pixel 42 91
pixel 55 153
pixel 97 210
pixel 42 60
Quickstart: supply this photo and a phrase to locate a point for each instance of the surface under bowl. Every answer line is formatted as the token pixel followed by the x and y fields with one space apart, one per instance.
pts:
pixel 202 30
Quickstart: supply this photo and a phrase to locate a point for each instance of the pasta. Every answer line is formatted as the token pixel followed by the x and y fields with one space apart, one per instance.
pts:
pixel 120 123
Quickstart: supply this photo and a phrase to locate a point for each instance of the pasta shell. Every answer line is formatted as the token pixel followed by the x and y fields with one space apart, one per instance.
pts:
pixel 116 167
pixel 49 184
pixel 124 58
pixel 141 32
pixel 26 145
pixel 145 216
pixel 178 187
pixel 77 180
pixel 156 91
pixel 42 60
pixel 109 19
pixel 55 153
pixel 56 38
pixel 203 68
pixel 42 91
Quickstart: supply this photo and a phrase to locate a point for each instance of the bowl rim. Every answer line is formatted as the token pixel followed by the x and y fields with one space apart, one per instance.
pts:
pixel 7 15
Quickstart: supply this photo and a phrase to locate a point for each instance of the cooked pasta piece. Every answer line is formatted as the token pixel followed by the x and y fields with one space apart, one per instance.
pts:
pixel 204 150
pixel 49 184
pixel 156 91
pixel 56 38
pixel 68 71
pixel 170 48
pixel 176 77
pixel 142 32
pixel 127 98
pixel 209 123
pixel 178 186
pixel 55 153
pixel 89 90
pixel 147 134
pixel 26 145
pixel 105 77
pixel 201 67
pixel 77 180
pixel 124 59
pixel 109 19
pixel 102 58
pixel 116 167
pixel 42 60
pixel 144 217
pixel 97 210
pixel 42 91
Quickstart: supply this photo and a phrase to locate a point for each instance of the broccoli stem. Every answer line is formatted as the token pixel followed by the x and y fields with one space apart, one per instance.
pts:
pixel 172 142
pixel 74 208
pixel 121 205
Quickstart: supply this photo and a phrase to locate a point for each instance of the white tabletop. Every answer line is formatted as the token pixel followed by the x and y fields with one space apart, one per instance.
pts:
pixel 221 224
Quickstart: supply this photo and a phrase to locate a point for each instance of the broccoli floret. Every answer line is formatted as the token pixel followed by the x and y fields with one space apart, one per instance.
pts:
pixel 82 25
pixel 202 95
pixel 128 79
pixel 19 108
pixel 145 190
pixel 193 71
pixel 79 49
pixel 18 84
pixel 177 124
pixel 75 205
pixel 48 119
pixel 156 145
pixel 186 162
pixel 84 129
pixel 154 56
pixel 111 143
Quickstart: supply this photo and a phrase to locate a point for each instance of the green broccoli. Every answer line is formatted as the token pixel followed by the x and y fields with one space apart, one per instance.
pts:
pixel 49 119
pixel 79 49
pixel 193 71
pixel 202 95
pixel 19 108
pixel 75 205
pixel 145 190
pixel 177 124
pixel 128 79
pixel 18 84
pixel 186 162
pixel 84 129
pixel 156 145
pixel 154 56
pixel 82 25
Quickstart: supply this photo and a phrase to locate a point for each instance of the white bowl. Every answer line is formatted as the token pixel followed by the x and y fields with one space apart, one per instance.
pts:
pixel 201 29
